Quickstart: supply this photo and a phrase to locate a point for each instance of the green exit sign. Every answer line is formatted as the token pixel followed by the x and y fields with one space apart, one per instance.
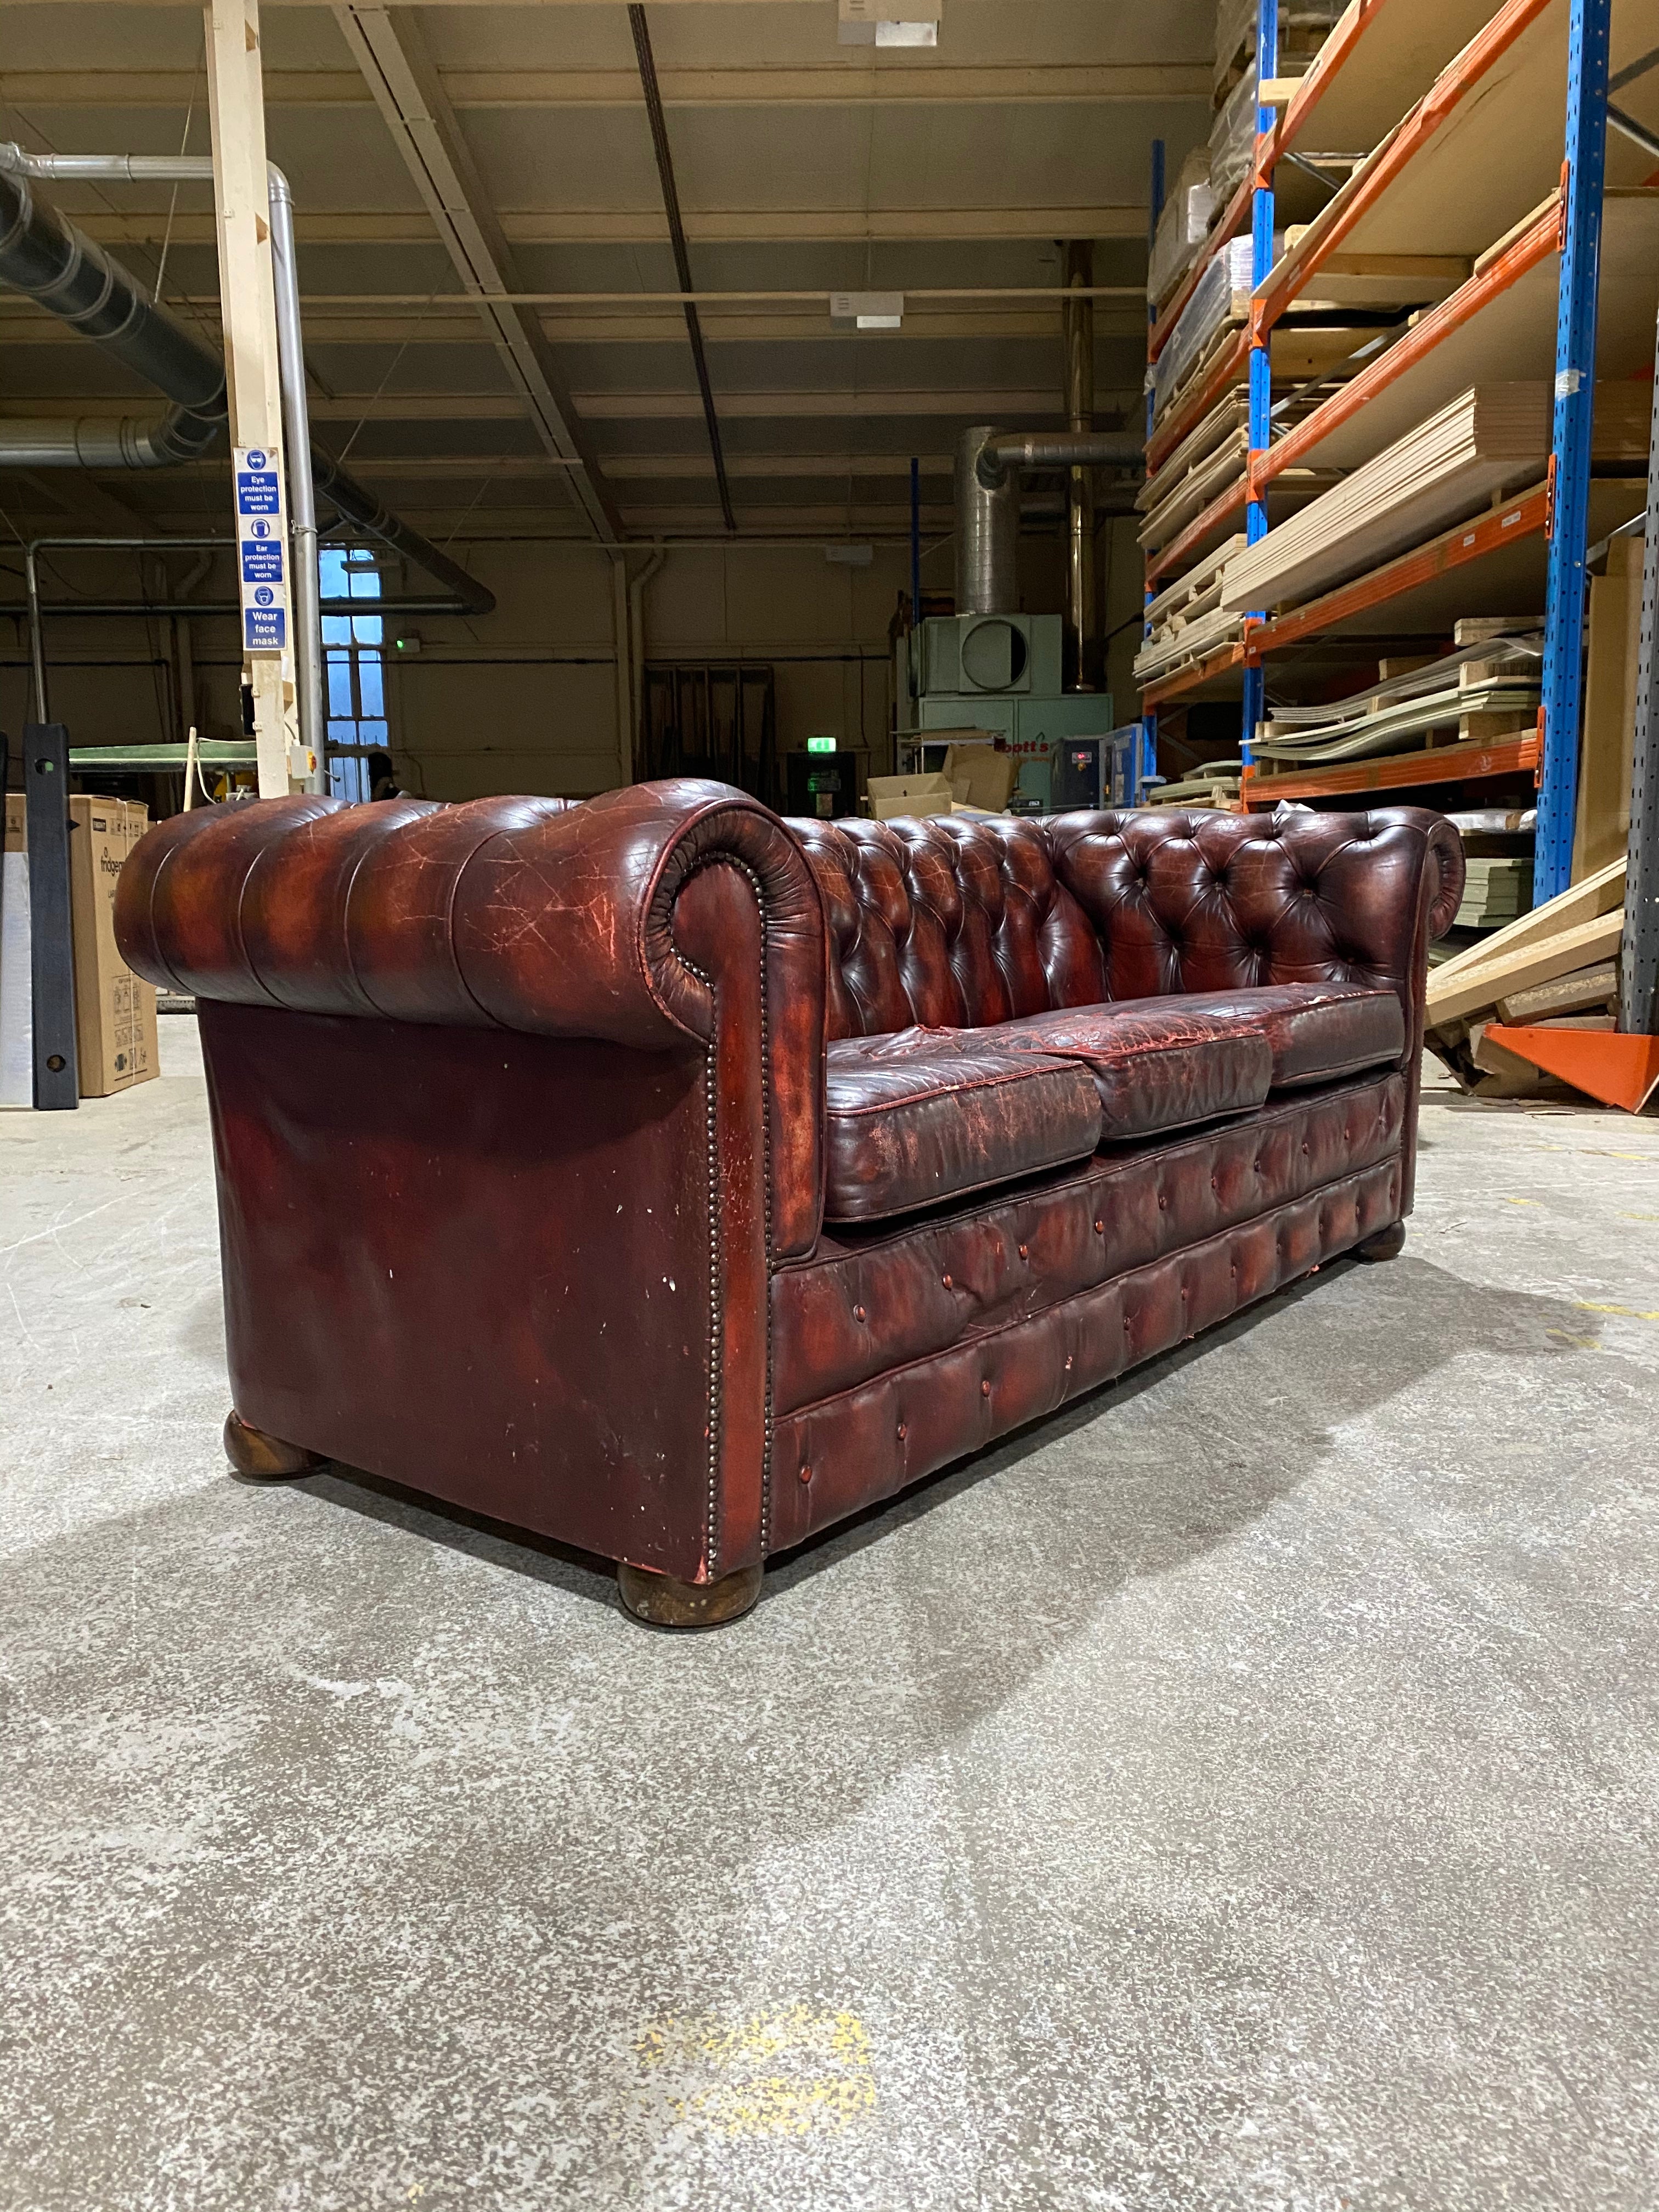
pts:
pixel 820 744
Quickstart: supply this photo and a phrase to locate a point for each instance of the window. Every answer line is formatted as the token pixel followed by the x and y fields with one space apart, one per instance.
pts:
pixel 354 672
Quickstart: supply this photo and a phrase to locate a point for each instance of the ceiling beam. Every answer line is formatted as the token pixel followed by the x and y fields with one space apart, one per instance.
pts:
pixel 646 226
pixel 975 407
pixel 409 327
pixel 816 84
pixel 671 203
pixel 391 51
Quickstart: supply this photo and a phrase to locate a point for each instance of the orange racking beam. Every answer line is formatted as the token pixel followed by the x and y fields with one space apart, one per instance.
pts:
pixel 1541 238
pixel 1181 549
pixel 1468 541
pixel 1188 680
pixel 1454 84
pixel 1399 772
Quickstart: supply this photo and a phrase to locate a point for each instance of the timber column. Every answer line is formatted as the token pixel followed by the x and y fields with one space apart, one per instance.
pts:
pixel 247 302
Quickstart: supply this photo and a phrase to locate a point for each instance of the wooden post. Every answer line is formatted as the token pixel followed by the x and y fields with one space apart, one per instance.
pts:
pixel 241 200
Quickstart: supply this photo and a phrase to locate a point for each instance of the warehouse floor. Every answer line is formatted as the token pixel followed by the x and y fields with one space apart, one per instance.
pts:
pixel 1235 1792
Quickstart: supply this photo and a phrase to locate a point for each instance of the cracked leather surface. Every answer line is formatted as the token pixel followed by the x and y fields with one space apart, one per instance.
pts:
pixel 1155 1063
pixel 914 1120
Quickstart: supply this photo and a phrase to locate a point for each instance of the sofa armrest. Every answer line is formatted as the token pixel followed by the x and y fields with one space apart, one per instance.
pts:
pixel 519 914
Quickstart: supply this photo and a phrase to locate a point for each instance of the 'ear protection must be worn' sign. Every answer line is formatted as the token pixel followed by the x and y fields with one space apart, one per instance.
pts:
pixel 261 556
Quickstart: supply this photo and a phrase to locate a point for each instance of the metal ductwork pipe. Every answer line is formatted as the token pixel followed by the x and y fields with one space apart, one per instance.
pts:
pixel 44 255
pixel 136 441
pixel 988 466
pixel 1078 329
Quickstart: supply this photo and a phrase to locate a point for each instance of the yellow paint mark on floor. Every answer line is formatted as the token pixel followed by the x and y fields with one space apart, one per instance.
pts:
pixel 1577 1343
pixel 1521 1201
pixel 1629 1313
pixel 787 2073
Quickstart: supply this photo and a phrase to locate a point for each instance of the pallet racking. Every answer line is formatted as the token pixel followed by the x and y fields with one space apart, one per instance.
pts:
pixel 1454 197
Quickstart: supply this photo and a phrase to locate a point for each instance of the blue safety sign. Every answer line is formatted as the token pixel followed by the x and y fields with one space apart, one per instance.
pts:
pixel 261 563
pixel 257 492
pixel 264 572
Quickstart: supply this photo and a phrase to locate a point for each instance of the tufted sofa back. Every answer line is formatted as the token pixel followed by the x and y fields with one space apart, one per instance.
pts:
pixel 957 923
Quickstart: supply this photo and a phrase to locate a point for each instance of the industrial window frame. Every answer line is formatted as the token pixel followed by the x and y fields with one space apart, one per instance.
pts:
pixel 353 670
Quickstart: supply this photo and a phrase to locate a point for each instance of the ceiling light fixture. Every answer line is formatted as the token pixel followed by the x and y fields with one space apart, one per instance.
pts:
pixel 868 311
pixel 869 23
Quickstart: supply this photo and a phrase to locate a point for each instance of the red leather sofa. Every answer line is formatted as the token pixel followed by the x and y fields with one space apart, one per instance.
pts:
pixel 675 1181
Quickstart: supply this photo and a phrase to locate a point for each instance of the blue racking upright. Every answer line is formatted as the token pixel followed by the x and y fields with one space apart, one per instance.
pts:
pixel 1560 512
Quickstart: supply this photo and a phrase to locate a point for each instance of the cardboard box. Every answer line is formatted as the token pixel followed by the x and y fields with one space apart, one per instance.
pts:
pixel 894 798
pixel 981 777
pixel 114 1009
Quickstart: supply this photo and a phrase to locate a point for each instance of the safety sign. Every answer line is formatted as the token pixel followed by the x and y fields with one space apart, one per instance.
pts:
pixel 260 551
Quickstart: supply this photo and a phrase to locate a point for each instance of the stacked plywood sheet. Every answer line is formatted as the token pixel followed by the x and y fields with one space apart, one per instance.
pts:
pixel 1488 440
pixel 1184 622
pixel 1488 686
pixel 1215 786
pixel 1497 890
pixel 1555 967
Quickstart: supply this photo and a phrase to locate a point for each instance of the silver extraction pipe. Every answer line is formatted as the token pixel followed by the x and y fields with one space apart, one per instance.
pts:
pixel 302 489
pixel 49 259
pixel 988 466
pixel 1078 329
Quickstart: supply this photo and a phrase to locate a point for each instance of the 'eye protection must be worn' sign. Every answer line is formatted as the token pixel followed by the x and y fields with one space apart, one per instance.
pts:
pixel 261 554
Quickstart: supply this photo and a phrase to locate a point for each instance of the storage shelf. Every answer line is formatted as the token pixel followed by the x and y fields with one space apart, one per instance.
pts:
pixel 1513 268
pixel 1399 371
pixel 1364 218
pixel 1181 552
pixel 1204 675
pixel 1380 57
pixel 1492 564
pixel 1196 402
pixel 1234 218
pixel 1469 162
pixel 1459 763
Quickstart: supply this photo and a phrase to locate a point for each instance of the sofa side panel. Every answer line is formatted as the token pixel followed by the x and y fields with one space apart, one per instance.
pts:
pixel 478 1263
pixel 871 1302
pixel 850 1451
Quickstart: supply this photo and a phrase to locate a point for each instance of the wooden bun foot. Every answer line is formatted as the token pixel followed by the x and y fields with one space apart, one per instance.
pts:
pixel 1387 1244
pixel 665 1601
pixel 260 1458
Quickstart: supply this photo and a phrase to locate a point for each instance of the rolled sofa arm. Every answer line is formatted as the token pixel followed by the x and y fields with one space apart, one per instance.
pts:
pixel 519 914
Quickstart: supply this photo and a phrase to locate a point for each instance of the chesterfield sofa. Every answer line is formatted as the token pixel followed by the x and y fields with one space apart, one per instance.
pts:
pixel 675 1181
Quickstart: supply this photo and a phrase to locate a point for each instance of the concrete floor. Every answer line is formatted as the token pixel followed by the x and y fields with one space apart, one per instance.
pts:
pixel 1237 1792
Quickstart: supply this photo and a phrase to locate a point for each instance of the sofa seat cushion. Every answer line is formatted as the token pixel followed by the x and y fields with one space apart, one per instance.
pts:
pixel 912 1119
pixel 1315 1031
pixel 1156 1063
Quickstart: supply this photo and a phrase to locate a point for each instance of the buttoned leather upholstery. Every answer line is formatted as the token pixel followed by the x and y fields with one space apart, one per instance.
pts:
pixel 523 1129
pixel 910 1121
pixel 956 922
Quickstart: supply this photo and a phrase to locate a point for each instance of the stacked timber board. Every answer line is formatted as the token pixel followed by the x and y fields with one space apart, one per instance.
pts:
pixel 1557 967
pixel 1498 890
pixel 1488 440
pixel 1205 472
